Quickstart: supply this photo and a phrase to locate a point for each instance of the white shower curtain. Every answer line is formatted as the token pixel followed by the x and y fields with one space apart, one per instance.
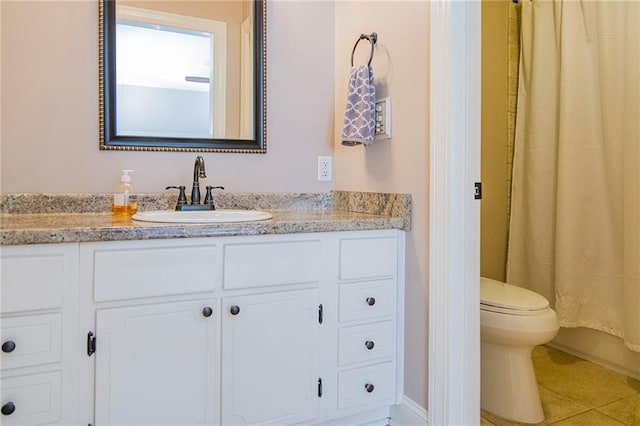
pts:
pixel 575 212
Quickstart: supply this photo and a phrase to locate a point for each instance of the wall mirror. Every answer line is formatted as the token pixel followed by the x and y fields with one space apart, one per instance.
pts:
pixel 183 75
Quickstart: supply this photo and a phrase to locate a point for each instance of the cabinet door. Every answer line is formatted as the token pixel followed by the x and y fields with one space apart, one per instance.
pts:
pixel 155 364
pixel 270 358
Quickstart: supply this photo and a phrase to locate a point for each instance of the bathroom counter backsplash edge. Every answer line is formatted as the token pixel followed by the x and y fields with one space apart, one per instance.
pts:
pixel 384 204
pixel 54 203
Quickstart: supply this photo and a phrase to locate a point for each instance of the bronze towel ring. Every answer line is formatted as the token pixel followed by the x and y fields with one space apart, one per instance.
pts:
pixel 373 38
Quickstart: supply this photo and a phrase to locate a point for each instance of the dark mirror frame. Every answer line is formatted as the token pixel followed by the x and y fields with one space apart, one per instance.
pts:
pixel 109 140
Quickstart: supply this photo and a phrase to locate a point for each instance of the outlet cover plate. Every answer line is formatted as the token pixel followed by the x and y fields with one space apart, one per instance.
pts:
pixel 325 169
pixel 383 118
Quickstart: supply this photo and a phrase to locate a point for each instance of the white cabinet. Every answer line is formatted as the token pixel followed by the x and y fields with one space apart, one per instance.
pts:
pixel 33 399
pixel 155 364
pixel 153 324
pixel 272 329
pixel 145 269
pixel 367 322
pixel 38 334
pixel 270 358
pixel 30 340
pixel 366 386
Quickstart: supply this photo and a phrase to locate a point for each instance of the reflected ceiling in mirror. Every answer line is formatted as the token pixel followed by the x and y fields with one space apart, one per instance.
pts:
pixel 182 75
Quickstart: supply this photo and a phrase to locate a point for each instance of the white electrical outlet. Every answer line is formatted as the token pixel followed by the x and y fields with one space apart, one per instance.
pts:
pixel 325 168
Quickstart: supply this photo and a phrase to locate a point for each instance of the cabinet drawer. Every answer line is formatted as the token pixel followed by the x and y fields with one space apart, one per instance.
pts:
pixel 33 279
pixel 365 342
pixel 36 399
pixel 354 386
pixel 147 271
pixel 272 263
pixel 366 300
pixel 36 339
pixel 362 258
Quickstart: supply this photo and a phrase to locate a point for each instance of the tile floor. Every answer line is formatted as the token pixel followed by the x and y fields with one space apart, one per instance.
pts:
pixel 575 392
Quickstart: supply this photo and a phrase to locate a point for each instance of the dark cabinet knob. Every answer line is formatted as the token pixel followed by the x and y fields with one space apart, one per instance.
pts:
pixel 8 408
pixel 207 311
pixel 369 387
pixel 235 310
pixel 369 344
pixel 371 301
pixel 8 346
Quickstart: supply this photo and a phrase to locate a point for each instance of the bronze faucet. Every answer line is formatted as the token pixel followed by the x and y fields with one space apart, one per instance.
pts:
pixel 198 172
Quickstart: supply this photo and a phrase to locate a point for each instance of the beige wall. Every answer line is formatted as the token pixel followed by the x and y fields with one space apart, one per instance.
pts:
pixel 49 106
pixel 495 173
pixel 401 163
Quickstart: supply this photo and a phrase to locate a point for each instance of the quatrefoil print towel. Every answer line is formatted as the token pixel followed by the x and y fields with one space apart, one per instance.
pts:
pixel 360 115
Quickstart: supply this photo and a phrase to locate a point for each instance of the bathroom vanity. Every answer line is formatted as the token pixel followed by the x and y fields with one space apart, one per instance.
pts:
pixel 231 328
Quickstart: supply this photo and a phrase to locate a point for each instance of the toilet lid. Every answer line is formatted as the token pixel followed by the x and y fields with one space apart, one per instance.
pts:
pixel 497 296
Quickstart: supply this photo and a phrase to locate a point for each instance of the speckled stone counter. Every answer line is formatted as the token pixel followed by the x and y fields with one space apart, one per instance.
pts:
pixel 59 218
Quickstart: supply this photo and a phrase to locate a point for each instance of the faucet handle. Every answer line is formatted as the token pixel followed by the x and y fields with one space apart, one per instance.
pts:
pixel 182 198
pixel 208 198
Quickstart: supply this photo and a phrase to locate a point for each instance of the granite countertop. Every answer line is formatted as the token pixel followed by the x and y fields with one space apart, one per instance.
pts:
pixel 48 218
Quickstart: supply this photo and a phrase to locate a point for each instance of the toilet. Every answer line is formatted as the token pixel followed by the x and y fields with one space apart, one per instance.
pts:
pixel 512 321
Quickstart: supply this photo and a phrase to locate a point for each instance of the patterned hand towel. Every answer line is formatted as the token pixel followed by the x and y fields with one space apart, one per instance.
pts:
pixel 360 115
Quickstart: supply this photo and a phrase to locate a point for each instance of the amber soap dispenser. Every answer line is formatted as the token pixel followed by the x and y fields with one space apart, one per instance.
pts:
pixel 125 202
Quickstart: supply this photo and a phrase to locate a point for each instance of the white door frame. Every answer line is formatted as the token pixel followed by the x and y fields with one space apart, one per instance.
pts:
pixel 454 221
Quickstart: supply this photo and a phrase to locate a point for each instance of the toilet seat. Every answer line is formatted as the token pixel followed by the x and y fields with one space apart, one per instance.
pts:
pixel 499 297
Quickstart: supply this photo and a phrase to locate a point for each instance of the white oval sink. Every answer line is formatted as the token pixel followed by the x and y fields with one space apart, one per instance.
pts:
pixel 201 216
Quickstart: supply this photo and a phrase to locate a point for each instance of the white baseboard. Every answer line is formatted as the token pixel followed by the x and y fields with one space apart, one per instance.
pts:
pixel 408 413
pixel 376 417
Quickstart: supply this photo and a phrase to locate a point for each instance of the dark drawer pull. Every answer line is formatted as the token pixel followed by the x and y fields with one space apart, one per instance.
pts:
pixel 235 310
pixel 371 301
pixel 8 408
pixel 369 344
pixel 369 387
pixel 8 346
pixel 207 311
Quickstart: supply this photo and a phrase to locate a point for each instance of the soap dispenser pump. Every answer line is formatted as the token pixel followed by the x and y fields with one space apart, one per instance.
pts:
pixel 125 202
